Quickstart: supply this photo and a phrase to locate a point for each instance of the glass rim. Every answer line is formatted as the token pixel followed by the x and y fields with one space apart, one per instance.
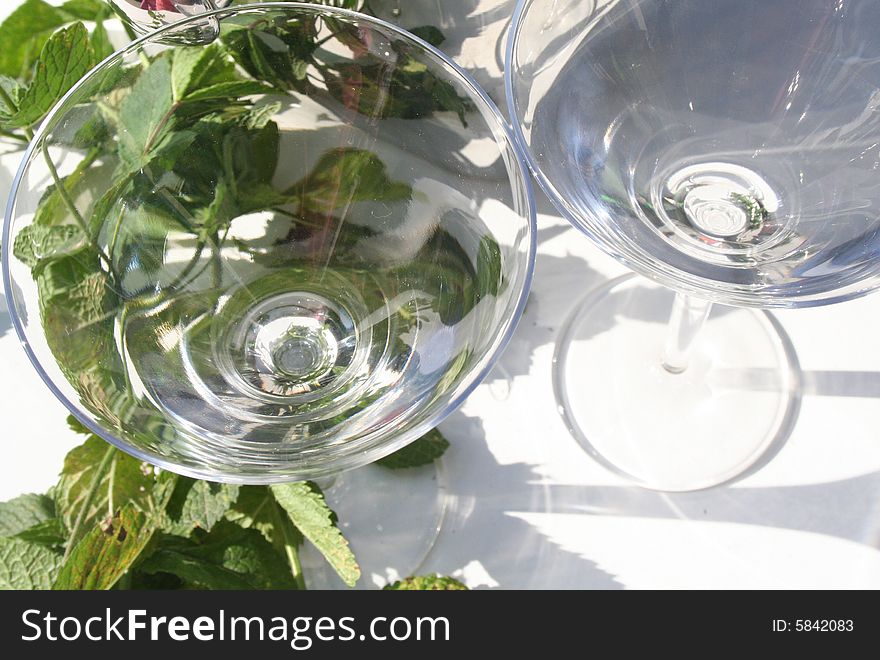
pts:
pixel 343 462
pixel 638 260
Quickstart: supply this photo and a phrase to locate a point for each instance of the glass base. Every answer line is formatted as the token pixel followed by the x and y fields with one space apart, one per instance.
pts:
pixel 391 518
pixel 725 416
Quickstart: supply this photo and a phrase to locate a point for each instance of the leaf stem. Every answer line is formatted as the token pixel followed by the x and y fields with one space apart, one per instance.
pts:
pixel 189 267
pixel 7 100
pixel 154 134
pixel 13 136
pixel 71 207
pixel 89 498
pixel 124 582
pixel 111 247
pixel 289 541
pixel 110 486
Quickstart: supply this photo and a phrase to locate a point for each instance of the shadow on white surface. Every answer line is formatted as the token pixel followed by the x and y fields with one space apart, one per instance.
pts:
pixel 5 320
pixel 497 533
pixel 484 539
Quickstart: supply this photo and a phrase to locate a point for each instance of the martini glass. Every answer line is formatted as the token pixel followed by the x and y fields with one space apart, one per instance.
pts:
pixel 727 151
pixel 141 17
pixel 276 257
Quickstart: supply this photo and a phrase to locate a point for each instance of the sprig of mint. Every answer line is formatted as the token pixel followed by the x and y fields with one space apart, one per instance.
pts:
pixel 39 62
pixel 112 521
pixel 427 583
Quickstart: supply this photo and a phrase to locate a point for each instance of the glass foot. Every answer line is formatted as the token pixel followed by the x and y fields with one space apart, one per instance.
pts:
pixel 391 518
pixel 721 418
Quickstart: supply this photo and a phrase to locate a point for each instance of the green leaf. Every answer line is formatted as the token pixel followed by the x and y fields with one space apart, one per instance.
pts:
pixel 106 552
pixel 447 98
pixel 65 58
pixel 196 67
pixel 197 505
pixel 426 583
pixel 36 244
pixel 342 176
pixel 142 236
pixel 423 451
pixel 279 55
pixel 132 483
pixel 76 309
pixel 84 10
pixel 23 34
pixel 196 572
pixel 76 426
pixel 84 127
pixel 253 510
pixel 430 34
pixel 101 44
pixel 23 512
pixel 230 557
pixel 26 565
pixel 146 113
pixel 229 90
pixel 51 209
pixel 260 196
pixel 50 533
pixel 305 505
pixel 259 116
pixel 490 271
pixel 12 91
pixel 76 288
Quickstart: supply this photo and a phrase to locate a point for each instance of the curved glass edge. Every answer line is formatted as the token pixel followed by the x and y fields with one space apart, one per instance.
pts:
pixel 691 286
pixel 369 455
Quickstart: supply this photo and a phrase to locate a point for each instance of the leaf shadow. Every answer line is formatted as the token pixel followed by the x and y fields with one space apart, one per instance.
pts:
pixel 485 533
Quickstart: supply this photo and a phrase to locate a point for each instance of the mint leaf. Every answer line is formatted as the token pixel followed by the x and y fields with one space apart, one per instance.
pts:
pixel 196 67
pixel 141 238
pixel 23 34
pixel 84 10
pixel 26 565
pixel 10 99
pixel 65 58
pixel 74 297
pixel 426 583
pixel 423 451
pixel 430 34
pixel 23 512
pixel 229 90
pixel 132 483
pixel 73 287
pixel 279 56
pixel 342 176
pixel 490 271
pixel 106 552
pixel 260 116
pixel 197 505
pixel 194 571
pixel 51 209
pixel 230 557
pixel 50 533
pixel 254 510
pixel 76 426
pixel 101 44
pixel 305 505
pixel 146 115
pixel 35 244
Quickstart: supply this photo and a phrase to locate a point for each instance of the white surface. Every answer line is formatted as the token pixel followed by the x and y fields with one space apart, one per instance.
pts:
pixel 527 507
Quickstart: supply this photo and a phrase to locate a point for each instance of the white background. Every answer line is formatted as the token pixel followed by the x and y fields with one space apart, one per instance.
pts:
pixel 526 507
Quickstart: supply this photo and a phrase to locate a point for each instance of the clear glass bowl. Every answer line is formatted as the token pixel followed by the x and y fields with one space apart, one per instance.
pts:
pixel 278 256
pixel 725 149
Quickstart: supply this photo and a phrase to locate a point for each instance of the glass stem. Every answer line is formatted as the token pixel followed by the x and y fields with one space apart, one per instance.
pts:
pixel 687 319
